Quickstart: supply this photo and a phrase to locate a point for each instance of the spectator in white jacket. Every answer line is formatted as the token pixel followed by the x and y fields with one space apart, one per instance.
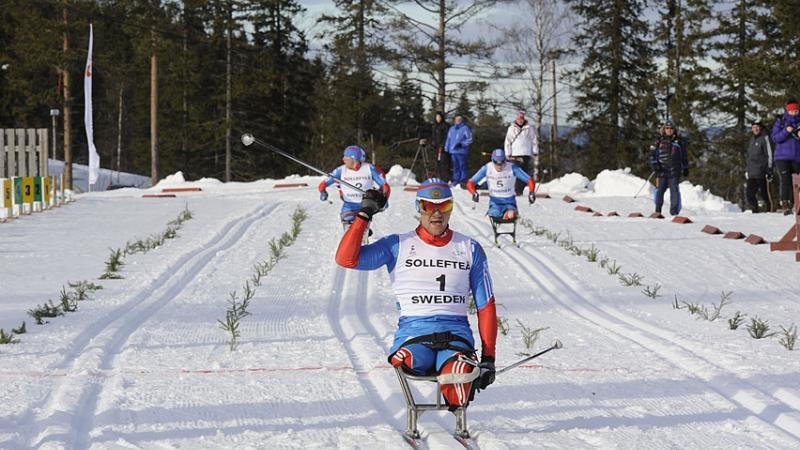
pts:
pixel 521 146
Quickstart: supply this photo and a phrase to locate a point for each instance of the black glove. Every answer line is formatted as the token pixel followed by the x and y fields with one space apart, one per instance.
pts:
pixel 475 197
pixel 323 195
pixel 487 373
pixel 531 198
pixel 686 172
pixel 769 176
pixel 371 203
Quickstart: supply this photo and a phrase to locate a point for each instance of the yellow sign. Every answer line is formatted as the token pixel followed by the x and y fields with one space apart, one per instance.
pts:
pixel 47 190
pixel 27 189
pixel 6 193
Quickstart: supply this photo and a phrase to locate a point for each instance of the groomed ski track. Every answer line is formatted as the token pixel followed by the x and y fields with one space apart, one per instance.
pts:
pixel 145 365
pixel 778 409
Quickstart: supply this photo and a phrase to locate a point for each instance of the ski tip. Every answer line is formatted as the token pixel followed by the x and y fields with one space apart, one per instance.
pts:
pixel 557 344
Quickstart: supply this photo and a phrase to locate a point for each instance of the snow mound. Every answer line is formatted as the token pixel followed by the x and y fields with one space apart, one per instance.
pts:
pixel 571 183
pixel 175 179
pixel 622 183
pixel 398 175
pixel 619 183
pixel 696 198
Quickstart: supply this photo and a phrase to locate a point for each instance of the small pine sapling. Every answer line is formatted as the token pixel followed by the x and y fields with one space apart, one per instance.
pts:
pixel 652 291
pixel 48 310
pixel 614 268
pixel 113 264
pixel 472 309
pixel 83 288
pixel 693 308
pixel 502 326
pixel 20 330
pixel 529 337
pixel 591 253
pixel 736 320
pixel 631 279
pixel 759 329
pixel 789 337
pixel 713 314
pixel 7 338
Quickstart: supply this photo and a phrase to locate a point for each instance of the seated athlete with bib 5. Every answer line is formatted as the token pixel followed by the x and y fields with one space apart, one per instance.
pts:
pixel 433 270
pixel 500 175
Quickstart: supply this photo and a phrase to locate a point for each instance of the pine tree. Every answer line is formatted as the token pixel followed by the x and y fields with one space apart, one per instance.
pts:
pixel 429 47
pixel 616 108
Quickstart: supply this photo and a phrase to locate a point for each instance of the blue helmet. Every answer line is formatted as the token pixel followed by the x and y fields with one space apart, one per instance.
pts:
pixel 498 155
pixel 434 190
pixel 355 152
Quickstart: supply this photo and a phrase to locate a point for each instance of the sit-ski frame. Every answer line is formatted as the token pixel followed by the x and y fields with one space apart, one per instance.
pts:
pixel 416 409
pixel 497 221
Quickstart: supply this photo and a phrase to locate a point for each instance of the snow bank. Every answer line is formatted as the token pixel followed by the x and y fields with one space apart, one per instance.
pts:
pixel 622 183
pixel 571 183
pixel 398 175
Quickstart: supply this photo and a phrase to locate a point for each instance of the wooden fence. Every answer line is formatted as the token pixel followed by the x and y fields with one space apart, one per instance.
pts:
pixel 23 152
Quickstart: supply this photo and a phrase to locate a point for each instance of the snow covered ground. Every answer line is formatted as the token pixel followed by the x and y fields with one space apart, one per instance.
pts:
pixel 144 363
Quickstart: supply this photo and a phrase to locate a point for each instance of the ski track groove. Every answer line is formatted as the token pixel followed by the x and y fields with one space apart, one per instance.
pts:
pixel 120 324
pixel 340 317
pixel 554 280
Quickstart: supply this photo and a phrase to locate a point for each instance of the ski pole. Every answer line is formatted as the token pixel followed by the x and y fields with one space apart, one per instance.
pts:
pixel 555 346
pixel 645 184
pixel 248 140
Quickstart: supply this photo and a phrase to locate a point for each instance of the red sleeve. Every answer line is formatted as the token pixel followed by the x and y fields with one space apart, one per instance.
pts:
pixel 487 327
pixel 387 190
pixel 322 186
pixel 531 185
pixel 471 187
pixel 350 246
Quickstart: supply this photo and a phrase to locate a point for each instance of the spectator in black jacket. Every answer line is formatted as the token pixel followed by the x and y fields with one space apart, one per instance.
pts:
pixel 759 166
pixel 438 138
pixel 669 161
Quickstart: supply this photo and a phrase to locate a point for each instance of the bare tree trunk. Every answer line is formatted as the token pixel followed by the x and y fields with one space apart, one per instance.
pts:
pixel 66 106
pixel 153 110
pixel 228 96
pixel 119 133
pixel 554 135
pixel 441 63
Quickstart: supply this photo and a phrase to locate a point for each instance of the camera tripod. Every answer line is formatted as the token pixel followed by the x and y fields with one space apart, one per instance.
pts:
pixel 423 149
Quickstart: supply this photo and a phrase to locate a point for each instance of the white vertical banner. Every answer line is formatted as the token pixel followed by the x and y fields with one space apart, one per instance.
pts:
pixel 94 158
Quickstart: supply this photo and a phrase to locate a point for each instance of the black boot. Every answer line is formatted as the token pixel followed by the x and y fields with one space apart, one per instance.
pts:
pixel 785 207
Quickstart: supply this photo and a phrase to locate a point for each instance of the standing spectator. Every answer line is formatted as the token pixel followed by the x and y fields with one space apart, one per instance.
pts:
pixel 521 146
pixel 759 166
pixel 459 137
pixel 669 161
pixel 438 139
pixel 787 151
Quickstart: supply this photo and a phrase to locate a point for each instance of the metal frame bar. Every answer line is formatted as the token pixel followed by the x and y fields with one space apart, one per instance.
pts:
pixel 414 410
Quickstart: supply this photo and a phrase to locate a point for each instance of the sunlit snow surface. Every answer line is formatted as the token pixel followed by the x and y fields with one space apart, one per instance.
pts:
pixel 145 364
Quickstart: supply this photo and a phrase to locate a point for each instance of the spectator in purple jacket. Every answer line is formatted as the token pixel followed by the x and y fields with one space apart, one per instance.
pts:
pixel 787 151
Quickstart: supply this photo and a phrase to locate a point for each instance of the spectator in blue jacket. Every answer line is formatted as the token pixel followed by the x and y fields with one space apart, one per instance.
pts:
pixel 459 137
pixel 787 151
pixel 669 161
